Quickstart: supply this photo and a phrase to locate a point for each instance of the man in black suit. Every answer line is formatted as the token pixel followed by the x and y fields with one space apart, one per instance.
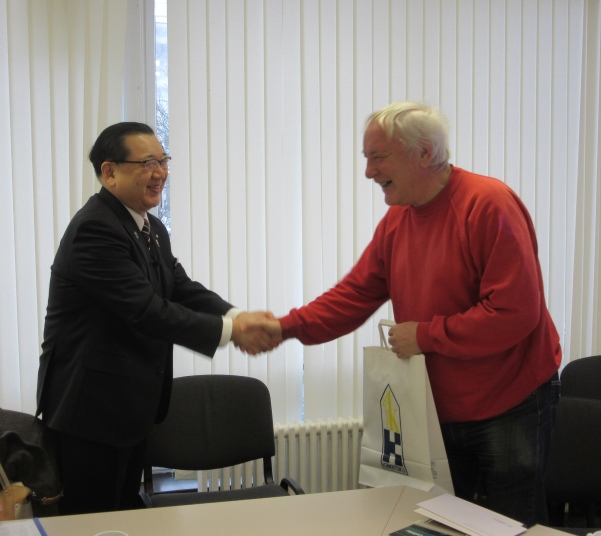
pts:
pixel 118 302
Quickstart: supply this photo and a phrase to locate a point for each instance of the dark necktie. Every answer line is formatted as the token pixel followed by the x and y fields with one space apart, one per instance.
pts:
pixel 146 232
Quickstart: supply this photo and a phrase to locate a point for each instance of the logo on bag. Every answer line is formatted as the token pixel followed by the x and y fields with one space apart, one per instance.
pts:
pixel 392 438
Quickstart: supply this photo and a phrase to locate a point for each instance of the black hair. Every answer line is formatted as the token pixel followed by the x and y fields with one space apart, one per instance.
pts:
pixel 110 145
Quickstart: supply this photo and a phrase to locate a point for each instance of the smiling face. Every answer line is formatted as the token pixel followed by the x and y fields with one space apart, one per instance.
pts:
pixel 405 176
pixel 133 184
pixel 392 166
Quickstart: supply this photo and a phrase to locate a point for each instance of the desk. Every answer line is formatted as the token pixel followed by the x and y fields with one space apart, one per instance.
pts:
pixel 365 512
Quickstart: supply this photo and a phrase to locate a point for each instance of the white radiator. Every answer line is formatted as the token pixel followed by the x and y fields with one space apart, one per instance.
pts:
pixel 320 456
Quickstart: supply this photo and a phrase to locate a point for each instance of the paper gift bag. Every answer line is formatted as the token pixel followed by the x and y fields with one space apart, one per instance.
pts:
pixel 402 442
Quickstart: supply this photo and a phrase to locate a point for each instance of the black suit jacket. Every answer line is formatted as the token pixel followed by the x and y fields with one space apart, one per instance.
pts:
pixel 114 312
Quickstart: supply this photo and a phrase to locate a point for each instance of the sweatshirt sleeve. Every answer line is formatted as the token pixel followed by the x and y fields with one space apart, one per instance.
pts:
pixel 503 249
pixel 344 307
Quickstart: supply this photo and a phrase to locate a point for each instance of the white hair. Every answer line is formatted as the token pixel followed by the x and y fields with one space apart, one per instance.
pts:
pixel 416 125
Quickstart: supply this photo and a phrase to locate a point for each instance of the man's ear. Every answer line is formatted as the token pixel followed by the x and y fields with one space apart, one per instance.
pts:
pixel 108 173
pixel 425 154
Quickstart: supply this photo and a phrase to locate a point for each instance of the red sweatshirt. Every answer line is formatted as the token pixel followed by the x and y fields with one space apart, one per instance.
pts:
pixel 465 266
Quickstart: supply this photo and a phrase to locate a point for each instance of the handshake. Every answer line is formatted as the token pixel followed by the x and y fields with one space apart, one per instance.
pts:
pixel 256 332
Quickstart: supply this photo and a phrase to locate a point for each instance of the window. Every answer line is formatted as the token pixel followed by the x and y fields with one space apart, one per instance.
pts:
pixel 162 96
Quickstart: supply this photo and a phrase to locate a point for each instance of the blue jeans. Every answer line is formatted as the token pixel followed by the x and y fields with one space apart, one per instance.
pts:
pixel 499 463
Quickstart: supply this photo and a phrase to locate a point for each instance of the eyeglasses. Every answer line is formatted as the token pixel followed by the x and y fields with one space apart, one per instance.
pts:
pixel 150 164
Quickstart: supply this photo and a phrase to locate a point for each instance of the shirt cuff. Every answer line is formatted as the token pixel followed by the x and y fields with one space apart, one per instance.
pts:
pixel 228 325
pixel 423 338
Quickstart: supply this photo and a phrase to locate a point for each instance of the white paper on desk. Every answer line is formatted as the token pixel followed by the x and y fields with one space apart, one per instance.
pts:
pixel 20 527
pixel 468 517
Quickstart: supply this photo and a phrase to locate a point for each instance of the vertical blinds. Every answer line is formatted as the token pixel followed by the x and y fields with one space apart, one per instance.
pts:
pixel 267 106
pixel 270 206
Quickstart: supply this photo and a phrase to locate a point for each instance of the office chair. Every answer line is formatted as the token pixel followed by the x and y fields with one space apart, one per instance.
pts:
pixel 573 473
pixel 214 421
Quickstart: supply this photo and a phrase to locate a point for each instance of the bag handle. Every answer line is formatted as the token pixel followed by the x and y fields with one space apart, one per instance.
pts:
pixel 381 324
pixel 4 481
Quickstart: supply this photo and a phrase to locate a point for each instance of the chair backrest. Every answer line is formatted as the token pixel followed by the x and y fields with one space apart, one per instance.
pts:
pixel 580 378
pixel 213 421
pixel 574 468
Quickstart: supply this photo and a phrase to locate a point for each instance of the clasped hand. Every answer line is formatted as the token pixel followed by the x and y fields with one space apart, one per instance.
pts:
pixel 402 339
pixel 256 332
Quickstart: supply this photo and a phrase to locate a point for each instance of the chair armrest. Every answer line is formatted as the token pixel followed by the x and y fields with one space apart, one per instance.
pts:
pixel 146 499
pixel 291 484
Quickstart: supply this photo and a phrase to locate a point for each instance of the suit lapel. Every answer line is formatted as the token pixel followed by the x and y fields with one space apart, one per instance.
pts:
pixel 151 259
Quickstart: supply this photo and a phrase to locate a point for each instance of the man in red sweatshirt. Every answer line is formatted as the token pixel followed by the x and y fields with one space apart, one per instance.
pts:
pixel 457 255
